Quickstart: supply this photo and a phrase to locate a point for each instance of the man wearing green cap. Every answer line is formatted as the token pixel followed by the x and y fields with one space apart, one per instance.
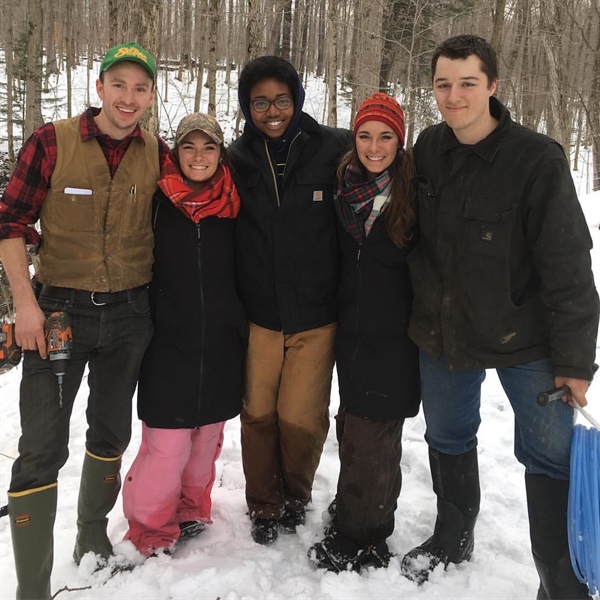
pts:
pixel 90 181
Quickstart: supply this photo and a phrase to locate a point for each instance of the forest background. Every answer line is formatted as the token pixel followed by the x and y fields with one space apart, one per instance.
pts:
pixel 549 54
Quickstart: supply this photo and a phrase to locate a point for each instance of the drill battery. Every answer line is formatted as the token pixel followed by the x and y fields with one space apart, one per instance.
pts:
pixel 10 353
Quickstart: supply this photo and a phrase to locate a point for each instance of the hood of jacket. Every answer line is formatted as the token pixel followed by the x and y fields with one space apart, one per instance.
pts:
pixel 279 146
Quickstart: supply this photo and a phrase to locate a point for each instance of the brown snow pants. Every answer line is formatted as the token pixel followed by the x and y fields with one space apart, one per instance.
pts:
pixel 285 418
pixel 370 477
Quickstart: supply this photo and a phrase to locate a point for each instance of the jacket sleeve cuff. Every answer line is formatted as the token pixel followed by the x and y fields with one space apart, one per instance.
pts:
pixel 576 373
pixel 16 230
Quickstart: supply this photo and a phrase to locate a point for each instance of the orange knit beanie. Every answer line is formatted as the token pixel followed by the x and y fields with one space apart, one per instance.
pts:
pixel 384 108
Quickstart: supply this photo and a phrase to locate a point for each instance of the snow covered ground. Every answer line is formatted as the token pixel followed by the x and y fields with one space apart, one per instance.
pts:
pixel 225 563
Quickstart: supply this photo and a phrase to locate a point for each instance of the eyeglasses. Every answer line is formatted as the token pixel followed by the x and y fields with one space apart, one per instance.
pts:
pixel 263 105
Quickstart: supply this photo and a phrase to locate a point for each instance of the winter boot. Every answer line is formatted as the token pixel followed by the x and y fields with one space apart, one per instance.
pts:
pixel 291 519
pixel 32 515
pixel 264 530
pixel 547 501
pixel 336 553
pixel 98 491
pixel 190 529
pixel 456 484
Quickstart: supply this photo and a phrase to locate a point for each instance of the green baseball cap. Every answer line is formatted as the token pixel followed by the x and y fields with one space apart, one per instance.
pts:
pixel 131 52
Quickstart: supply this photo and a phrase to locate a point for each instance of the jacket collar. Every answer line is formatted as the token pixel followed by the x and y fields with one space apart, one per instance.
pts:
pixel 488 147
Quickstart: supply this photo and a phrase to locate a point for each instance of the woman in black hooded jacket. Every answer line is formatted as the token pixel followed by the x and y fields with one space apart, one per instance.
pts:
pixel 377 363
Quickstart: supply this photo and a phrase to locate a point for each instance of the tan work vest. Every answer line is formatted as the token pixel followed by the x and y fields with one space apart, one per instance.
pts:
pixel 97 231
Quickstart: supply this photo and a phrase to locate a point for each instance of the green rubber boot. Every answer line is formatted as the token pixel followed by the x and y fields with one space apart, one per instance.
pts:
pixel 98 492
pixel 32 515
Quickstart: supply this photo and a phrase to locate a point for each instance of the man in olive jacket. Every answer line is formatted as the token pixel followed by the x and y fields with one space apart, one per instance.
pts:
pixel 287 261
pixel 502 279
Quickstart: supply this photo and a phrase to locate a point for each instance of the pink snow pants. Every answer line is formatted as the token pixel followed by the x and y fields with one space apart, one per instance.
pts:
pixel 170 482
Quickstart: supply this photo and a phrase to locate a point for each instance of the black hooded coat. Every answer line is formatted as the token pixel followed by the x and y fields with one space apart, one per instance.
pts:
pixel 287 256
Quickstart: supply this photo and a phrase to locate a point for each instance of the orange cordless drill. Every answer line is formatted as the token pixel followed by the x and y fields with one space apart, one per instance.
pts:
pixel 59 341
pixel 10 353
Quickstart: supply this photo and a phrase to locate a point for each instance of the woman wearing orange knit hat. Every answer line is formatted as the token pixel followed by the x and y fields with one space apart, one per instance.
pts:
pixel 377 363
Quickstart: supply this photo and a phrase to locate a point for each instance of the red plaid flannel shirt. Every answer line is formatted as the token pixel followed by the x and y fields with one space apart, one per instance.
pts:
pixel 27 189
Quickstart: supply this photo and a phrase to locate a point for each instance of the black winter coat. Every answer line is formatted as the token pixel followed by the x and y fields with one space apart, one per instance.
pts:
pixel 287 258
pixel 502 272
pixel 192 373
pixel 377 363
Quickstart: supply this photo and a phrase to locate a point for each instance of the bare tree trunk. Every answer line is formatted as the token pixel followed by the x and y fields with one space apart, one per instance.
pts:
pixel 496 39
pixel 33 85
pixel 275 35
pixel 286 29
pixel 301 66
pixel 392 25
pixel 199 80
pixel 594 111
pixel 321 38
pixel 215 15
pixel 113 22
pixel 185 58
pixel 69 65
pixel 332 61
pixel 366 45
pixel 200 36
pixel 144 20
pixel 253 44
pixel 556 111
pixel 51 64
pixel 229 54
pixel 8 56
pixel 299 9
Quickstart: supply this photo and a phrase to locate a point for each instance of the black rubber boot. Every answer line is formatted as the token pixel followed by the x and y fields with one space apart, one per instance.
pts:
pixel 456 484
pixel 32 514
pixel 98 492
pixel 547 501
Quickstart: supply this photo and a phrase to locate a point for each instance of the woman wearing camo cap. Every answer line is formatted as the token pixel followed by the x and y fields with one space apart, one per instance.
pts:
pixel 191 377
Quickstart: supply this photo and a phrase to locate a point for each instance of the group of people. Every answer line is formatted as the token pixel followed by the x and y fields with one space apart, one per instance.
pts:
pixel 231 281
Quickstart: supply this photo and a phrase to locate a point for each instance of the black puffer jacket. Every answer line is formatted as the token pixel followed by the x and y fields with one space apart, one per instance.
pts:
pixel 287 259
pixel 502 272
pixel 192 373
pixel 377 363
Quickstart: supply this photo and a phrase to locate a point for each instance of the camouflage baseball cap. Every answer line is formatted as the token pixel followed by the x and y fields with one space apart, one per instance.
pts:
pixel 199 122
pixel 131 52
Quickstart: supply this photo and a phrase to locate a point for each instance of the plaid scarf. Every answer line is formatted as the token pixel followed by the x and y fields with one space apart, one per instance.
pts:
pixel 218 197
pixel 354 200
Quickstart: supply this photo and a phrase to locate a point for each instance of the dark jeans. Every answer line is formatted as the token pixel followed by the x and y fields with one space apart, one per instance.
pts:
pixel 110 339
pixel 370 477
pixel 451 403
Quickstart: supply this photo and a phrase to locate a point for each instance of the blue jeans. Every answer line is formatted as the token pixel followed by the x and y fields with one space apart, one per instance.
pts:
pixel 451 404
pixel 110 339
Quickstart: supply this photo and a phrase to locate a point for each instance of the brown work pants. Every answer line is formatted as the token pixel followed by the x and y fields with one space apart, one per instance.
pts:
pixel 285 418
pixel 370 477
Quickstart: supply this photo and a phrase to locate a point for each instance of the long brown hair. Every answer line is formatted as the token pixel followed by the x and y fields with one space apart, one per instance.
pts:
pixel 401 212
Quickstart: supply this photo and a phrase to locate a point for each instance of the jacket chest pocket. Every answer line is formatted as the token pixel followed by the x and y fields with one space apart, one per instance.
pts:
pixel 73 212
pixel 136 213
pixel 488 227
pixel 316 184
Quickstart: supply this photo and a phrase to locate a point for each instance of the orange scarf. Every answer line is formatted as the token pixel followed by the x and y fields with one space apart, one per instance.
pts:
pixel 217 198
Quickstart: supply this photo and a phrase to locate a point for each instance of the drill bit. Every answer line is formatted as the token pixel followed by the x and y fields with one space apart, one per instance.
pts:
pixel 60 393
